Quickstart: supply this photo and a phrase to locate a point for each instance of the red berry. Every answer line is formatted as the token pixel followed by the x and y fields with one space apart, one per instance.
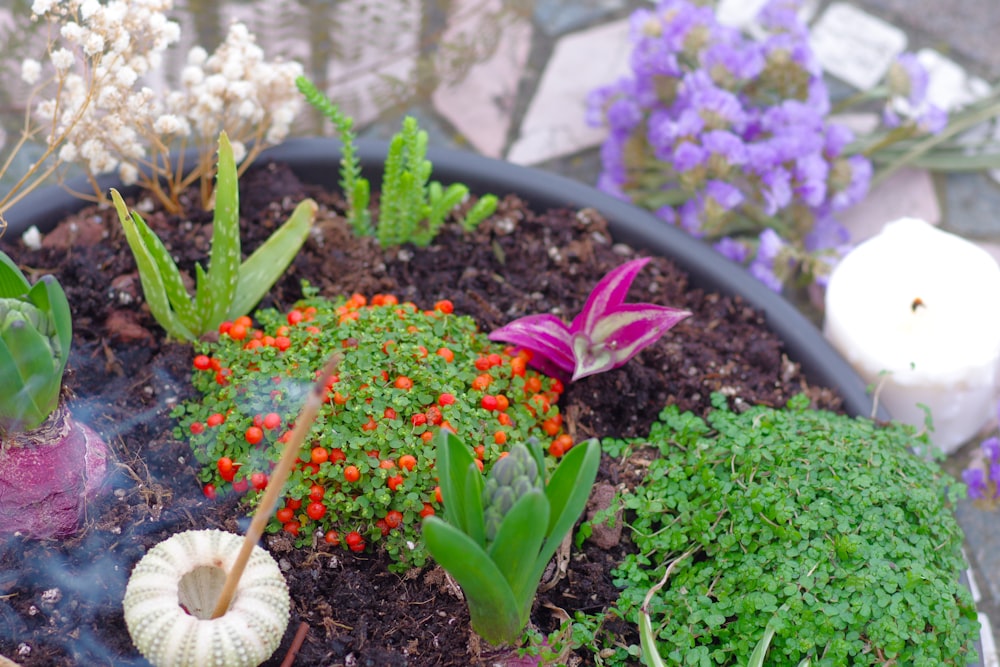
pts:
pixel 215 419
pixel 285 514
pixel 395 482
pixel 197 428
pixel 258 480
pixel 226 468
pixel 418 419
pixel 354 541
pixel 337 455
pixel 272 420
pixel 319 455
pixel 489 402
pixel 316 492
pixel 427 511
pixel 241 486
pixel 393 519
pixel 316 511
pixel 209 491
pixel 254 435
pixel 293 503
pixel 446 399
pixel 202 362
pixel 292 527
pixel 332 537
pixel 352 474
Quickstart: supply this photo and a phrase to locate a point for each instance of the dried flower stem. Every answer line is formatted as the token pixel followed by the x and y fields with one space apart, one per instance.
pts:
pixel 270 499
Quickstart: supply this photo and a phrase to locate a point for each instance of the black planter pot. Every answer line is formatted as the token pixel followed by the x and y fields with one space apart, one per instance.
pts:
pixel 316 160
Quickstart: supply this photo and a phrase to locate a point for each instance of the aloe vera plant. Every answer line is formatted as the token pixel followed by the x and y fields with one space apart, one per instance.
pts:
pixel 228 288
pixel 49 462
pixel 498 535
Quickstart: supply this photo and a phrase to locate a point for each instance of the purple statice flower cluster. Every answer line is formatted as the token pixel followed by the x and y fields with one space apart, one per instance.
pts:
pixel 982 478
pixel 729 137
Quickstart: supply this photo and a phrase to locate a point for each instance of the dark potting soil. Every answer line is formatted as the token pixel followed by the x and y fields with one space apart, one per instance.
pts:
pixel 60 602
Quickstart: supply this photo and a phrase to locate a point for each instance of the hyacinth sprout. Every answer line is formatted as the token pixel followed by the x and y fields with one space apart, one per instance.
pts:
pixel 497 536
pixel 50 463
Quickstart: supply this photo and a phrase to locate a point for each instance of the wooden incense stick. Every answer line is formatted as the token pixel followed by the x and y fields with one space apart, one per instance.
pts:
pixel 276 484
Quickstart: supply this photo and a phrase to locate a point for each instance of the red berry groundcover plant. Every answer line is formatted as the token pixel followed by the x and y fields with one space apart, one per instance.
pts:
pixel 366 474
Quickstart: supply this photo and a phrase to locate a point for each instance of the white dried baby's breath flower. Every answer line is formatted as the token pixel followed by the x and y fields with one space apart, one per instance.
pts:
pixel 239 151
pixel 126 76
pixel 88 8
pixel 192 75
pixel 167 124
pixel 68 152
pixel 72 32
pixel 122 42
pixel 62 60
pixel 197 56
pixel 249 111
pixel 42 7
pixel 31 69
pixel 45 109
pixel 94 44
pixel 128 173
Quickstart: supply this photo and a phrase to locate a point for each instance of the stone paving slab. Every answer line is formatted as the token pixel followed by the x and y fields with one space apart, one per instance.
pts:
pixel 968 28
pixel 554 124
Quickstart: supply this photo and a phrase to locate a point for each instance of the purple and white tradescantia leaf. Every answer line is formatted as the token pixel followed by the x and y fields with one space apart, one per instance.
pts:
pixel 604 335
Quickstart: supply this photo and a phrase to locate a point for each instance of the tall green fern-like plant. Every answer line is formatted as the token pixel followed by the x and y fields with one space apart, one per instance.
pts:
pixel 228 288
pixel 412 208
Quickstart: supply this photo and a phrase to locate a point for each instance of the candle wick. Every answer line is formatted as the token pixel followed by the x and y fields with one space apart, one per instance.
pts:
pixel 917 303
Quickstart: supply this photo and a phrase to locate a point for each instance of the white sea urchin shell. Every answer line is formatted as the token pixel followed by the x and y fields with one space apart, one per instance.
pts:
pixel 174 588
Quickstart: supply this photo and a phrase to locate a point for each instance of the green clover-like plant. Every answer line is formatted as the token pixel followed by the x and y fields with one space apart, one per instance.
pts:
pixel 497 536
pixel 36 331
pixel 229 288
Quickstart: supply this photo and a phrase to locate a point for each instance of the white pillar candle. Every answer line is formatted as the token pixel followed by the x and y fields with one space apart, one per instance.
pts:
pixel 922 307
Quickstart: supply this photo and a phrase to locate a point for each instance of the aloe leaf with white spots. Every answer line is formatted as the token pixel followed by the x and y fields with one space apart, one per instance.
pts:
pixel 148 260
pixel 224 265
pixel 229 288
pixel 263 268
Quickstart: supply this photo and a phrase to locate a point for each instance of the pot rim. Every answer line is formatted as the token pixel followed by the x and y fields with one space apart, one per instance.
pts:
pixel 316 160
